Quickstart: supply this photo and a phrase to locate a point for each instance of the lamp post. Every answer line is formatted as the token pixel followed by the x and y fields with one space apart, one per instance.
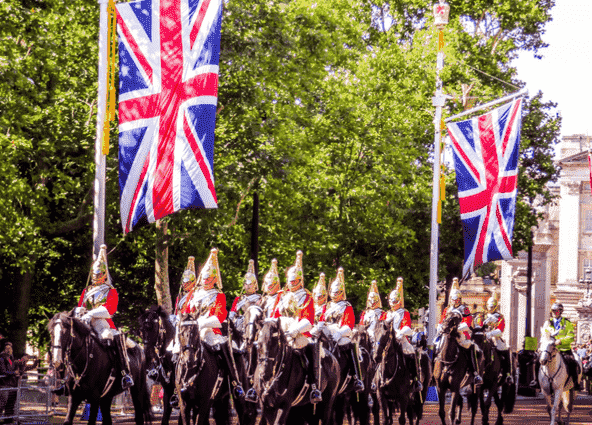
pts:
pixel 441 12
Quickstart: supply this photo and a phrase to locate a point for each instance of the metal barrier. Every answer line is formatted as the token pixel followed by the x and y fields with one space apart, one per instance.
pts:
pixel 30 402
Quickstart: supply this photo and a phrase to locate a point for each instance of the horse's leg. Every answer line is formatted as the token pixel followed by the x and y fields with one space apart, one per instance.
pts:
pixel 375 409
pixel 73 403
pixel 222 410
pixel 555 410
pixel 454 403
pixel 473 401
pixel 500 407
pixel 105 405
pixel 402 411
pixel 486 405
pixel 184 412
pixel 460 408
pixel 93 412
pixel 166 404
pixel 441 401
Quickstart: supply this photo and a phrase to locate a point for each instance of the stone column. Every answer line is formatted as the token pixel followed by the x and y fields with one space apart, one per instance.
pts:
pixel 569 235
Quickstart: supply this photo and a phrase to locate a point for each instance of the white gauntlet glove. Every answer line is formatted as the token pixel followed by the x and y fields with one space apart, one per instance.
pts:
pixel 209 322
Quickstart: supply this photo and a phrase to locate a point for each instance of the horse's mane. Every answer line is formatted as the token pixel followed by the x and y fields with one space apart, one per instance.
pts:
pixel 79 326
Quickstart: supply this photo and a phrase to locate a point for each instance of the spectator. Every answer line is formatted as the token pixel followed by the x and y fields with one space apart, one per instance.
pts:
pixel 9 375
pixel 582 352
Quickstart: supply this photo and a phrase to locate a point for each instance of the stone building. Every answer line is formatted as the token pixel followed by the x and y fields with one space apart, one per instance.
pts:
pixel 561 256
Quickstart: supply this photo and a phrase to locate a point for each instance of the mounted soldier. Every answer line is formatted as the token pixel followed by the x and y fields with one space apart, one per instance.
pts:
pixel 470 350
pixel 401 320
pixel 564 337
pixel 374 312
pixel 297 316
pixel 97 304
pixel 339 320
pixel 210 303
pixel 493 322
pixel 249 298
pixel 187 285
pixel 319 295
pixel 272 292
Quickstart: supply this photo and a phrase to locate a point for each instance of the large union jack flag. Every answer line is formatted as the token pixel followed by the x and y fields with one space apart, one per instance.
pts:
pixel 486 162
pixel 168 88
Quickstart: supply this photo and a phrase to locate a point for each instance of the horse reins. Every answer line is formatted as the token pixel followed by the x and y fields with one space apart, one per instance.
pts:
pixel 387 347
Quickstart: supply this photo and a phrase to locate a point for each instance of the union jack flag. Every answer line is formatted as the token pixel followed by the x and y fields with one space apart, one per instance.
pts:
pixel 168 88
pixel 486 162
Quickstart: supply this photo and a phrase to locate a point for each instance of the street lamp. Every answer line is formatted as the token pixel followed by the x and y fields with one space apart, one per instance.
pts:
pixel 441 12
pixel 587 279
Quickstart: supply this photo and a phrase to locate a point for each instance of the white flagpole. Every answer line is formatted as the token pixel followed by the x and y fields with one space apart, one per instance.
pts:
pixel 100 159
pixel 523 92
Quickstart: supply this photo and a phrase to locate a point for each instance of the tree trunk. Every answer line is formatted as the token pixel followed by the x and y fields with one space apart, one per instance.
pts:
pixel 161 265
pixel 255 232
pixel 20 309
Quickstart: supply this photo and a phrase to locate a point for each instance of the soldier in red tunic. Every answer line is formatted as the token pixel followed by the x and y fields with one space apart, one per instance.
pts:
pixel 297 312
pixel 97 304
pixel 187 285
pixel 271 290
pixel 246 300
pixel 494 324
pixel 210 303
pixel 319 295
pixel 374 312
pixel 339 319
pixel 401 320
pixel 455 305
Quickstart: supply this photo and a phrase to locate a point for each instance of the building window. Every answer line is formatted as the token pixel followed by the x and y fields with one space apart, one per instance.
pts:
pixel 588 220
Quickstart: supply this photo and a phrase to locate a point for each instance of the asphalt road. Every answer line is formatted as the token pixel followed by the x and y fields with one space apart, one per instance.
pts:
pixel 530 411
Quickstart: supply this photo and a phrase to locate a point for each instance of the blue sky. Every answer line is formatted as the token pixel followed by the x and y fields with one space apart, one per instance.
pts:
pixel 564 75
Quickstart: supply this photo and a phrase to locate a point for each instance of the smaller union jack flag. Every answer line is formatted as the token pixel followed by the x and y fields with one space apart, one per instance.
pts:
pixel 486 162
pixel 168 92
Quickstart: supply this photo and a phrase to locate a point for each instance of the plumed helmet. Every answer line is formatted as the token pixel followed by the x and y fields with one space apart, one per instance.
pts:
pixel 396 298
pixel 338 286
pixel 455 293
pixel 271 281
pixel 100 270
pixel 189 277
pixel 294 276
pixel 493 303
pixel 319 293
pixel 373 300
pixel 557 307
pixel 211 270
pixel 251 277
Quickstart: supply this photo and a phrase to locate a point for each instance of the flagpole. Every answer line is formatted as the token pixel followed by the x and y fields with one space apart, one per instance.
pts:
pixel 441 11
pixel 100 159
pixel 523 92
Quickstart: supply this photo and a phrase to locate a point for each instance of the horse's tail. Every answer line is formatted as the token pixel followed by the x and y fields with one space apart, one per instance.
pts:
pixel 509 397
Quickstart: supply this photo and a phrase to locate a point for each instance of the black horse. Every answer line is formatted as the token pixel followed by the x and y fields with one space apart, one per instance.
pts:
pixel 450 368
pixel 203 382
pixel 157 333
pixel 357 407
pixel 91 371
pixel 392 379
pixel 493 379
pixel 280 380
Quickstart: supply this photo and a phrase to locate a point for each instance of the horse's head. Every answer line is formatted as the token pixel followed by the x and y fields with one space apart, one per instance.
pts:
pixel 382 337
pixel 270 343
pixel 253 321
pixel 67 333
pixel 547 348
pixel 149 327
pixel 189 338
pixel 361 337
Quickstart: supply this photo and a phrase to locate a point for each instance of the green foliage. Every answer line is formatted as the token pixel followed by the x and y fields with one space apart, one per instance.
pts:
pixel 322 112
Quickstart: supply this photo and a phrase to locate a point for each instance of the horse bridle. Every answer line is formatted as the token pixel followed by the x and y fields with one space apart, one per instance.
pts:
pixel 68 362
pixel 199 362
pixel 275 373
pixel 386 349
pixel 159 346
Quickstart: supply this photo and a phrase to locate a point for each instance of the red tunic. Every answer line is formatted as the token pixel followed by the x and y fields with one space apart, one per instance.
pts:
pixel 216 308
pixel 110 304
pixel 347 318
pixel 306 311
pixel 500 323
pixel 467 318
pixel 381 317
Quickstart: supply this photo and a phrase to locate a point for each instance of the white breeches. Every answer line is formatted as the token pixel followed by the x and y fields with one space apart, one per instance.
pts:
pixel 406 345
pixel 102 328
pixel 499 343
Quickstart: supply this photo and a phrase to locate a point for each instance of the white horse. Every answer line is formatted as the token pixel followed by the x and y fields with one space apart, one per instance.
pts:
pixel 553 378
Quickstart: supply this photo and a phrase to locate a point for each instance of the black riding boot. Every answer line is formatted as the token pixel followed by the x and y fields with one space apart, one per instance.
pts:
pixel 237 389
pixel 313 374
pixel 358 384
pixel 411 364
pixel 474 365
pixel 126 380
pixel 506 366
